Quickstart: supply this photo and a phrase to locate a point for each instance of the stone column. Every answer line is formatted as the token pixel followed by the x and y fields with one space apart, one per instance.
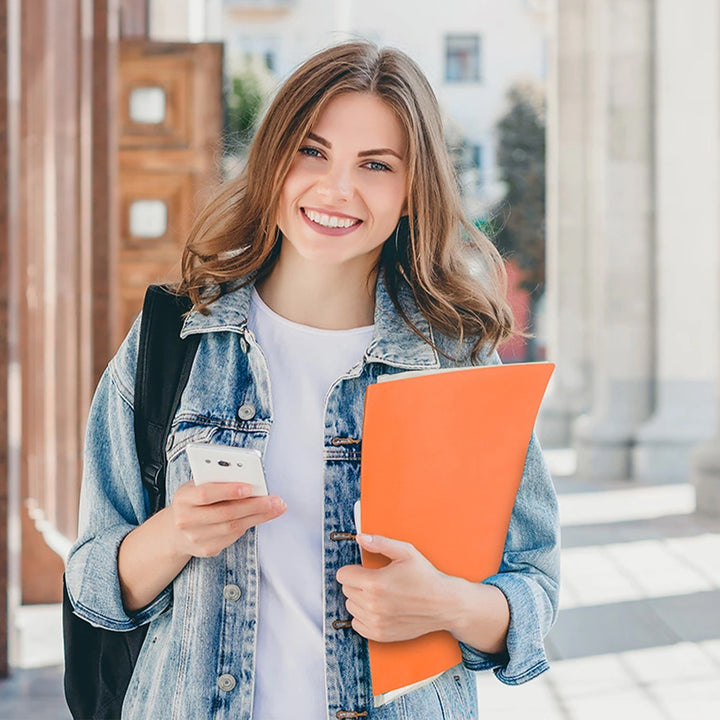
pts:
pixel 705 459
pixel 687 230
pixel 567 221
pixel 621 216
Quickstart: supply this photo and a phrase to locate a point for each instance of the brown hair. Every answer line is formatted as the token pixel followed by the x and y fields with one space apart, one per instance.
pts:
pixel 235 237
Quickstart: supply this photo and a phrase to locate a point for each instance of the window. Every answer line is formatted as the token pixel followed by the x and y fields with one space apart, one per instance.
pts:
pixel 462 58
pixel 477 156
pixel 254 53
pixel 148 219
pixel 478 171
pixel 147 105
pixel 471 169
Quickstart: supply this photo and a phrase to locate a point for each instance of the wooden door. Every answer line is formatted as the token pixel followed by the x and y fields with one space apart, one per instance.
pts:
pixel 170 148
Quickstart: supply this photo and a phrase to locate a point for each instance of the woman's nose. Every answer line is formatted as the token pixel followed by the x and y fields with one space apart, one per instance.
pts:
pixel 335 185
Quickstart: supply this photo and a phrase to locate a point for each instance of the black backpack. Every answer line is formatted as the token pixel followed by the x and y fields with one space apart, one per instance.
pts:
pixel 98 662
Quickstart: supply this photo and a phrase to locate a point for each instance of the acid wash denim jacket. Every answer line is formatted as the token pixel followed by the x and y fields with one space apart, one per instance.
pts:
pixel 197 661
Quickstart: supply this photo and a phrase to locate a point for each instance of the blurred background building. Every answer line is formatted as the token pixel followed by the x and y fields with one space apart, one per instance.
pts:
pixel 471 56
pixel 586 137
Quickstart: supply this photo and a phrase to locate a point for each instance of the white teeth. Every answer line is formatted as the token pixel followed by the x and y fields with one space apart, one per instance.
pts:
pixel 331 221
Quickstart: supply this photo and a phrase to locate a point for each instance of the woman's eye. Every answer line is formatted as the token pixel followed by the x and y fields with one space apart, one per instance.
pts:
pixel 377 166
pixel 310 151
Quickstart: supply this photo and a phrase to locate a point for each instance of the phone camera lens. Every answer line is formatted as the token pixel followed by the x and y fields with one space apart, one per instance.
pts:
pixel 223 463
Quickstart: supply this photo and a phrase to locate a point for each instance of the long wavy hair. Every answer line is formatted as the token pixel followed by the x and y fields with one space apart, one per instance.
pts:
pixel 236 238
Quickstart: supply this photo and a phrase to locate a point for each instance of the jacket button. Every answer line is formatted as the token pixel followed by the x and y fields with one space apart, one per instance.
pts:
pixel 232 592
pixel 246 412
pixel 226 682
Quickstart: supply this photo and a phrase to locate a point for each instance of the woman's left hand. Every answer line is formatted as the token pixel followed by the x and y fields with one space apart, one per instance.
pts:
pixel 405 599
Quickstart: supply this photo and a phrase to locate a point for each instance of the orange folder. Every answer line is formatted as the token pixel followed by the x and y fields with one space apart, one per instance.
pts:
pixel 442 458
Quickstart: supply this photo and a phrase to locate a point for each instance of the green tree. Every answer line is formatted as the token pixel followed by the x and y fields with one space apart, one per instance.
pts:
pixel 520 236
pixel 244 102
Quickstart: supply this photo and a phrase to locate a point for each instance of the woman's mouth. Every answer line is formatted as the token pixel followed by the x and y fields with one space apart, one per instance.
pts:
pixel 329 224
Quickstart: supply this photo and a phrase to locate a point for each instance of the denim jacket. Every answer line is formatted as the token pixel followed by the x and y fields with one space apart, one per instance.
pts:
pixel 198 658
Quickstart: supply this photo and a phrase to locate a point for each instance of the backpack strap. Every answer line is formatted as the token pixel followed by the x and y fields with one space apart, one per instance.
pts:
pixel 163 369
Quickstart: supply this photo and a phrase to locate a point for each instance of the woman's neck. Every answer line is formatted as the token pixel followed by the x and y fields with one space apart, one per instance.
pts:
pixel 327 297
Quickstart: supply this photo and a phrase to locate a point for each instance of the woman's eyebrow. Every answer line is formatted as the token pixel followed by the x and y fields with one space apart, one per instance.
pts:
pixel 319 139
pixel 363 153
pixel 379 151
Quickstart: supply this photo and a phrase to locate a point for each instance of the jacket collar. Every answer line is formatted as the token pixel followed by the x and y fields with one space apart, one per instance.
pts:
pixel 393 342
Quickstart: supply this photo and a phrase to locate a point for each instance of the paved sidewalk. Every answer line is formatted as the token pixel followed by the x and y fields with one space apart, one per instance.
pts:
pixel 34 689
pixel 638 635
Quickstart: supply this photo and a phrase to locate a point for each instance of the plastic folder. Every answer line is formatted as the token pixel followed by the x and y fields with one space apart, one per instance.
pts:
pixel 442 459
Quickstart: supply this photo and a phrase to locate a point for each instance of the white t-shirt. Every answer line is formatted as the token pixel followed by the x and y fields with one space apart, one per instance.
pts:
pixel 304 362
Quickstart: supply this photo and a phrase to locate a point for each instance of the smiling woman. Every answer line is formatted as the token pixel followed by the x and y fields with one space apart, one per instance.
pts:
pixel 339 255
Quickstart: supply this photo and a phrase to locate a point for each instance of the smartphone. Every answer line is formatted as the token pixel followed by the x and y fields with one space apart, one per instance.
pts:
pixel 356 514
pixel 221 463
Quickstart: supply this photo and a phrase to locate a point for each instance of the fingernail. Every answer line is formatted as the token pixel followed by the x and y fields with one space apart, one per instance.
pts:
pixel 365 538
pixel 277 504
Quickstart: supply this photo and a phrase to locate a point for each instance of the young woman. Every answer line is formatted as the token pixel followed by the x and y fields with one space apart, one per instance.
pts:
pixel 340 254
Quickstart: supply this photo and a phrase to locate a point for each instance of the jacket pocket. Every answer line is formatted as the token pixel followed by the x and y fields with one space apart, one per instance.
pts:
pixel 178 467
pixel 184 434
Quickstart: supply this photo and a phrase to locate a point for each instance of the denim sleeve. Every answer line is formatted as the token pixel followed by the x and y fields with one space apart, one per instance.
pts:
pixel 529 577
pixel 112 501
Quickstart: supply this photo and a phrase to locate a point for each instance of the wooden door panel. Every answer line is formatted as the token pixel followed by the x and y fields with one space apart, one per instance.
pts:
pixel 170 127
pixel 140 194
pixel 156 91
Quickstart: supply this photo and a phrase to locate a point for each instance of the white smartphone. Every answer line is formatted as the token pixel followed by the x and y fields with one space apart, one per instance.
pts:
pixel 356 514
pixel 221 463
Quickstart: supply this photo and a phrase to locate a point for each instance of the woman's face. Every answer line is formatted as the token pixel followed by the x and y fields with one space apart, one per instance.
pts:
pixel 347 186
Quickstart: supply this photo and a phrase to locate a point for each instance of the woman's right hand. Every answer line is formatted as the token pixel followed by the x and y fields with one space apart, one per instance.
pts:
pixel 201 521
pixel 208 518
